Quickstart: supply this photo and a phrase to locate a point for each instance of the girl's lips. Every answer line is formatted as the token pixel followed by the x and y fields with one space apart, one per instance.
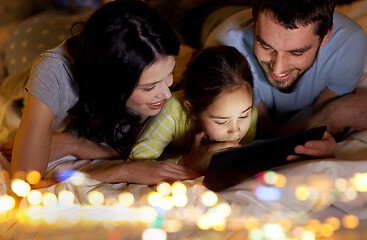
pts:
pixel 155 106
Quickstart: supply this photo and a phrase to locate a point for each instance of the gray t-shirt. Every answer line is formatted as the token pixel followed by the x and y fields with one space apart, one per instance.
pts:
pixel 52 82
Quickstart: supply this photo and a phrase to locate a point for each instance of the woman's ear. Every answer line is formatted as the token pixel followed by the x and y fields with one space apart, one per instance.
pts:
pixel 188 107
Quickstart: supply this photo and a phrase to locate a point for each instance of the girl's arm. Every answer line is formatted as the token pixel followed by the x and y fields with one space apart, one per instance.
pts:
pixel 32 143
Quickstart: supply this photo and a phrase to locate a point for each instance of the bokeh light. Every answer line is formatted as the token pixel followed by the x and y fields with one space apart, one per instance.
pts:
pixel 209 198
pixel 20 187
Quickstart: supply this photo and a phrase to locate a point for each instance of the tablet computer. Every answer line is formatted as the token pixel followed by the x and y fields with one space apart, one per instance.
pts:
pixel 235 165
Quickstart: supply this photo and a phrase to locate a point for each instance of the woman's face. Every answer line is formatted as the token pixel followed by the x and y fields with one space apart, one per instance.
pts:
pixel 153 87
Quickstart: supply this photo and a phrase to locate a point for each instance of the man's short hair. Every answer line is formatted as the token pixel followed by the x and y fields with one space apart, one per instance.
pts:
pixel 294 13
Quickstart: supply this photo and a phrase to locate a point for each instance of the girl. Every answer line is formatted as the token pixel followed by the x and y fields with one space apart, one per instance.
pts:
pixel 109 79
pixel 215 111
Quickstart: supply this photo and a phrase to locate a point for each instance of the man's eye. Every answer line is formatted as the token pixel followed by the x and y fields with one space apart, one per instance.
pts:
pixel 297 54
pixel 265 47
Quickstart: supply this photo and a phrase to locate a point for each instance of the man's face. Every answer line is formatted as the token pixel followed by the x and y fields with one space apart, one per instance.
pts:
pixel 284 54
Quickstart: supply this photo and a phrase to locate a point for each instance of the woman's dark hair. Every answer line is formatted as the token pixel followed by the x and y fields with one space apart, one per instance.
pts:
pixel 117 43
pixel 293 13
pixel 213 71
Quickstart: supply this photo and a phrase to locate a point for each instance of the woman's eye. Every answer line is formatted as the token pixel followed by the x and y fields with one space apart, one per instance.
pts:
pixel 149 89
pixel 243 117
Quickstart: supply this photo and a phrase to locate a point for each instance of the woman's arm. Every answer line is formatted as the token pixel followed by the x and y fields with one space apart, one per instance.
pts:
pixel 31 149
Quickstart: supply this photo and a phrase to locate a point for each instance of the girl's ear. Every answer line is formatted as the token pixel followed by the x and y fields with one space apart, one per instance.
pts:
pixel 188 107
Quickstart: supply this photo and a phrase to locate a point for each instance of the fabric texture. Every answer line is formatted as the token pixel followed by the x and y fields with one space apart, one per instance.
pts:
pixel 338 66
pixel 173 128
pixel 52 82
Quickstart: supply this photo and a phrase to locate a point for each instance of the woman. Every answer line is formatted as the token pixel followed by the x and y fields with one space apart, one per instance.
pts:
pixel 108 80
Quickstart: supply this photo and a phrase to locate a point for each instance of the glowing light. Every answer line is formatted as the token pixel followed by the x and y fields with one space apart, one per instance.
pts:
pixel 167 203
pixel 33 177
pixel 49 199
pixel 180 199
pixel 126 199
pixel 333 222
pixel 154 233
pixel 209 198
pixel 341 184
pixel 273 231
pixel 302 193
pixel 35 212
pixel 270 177
pixel 164 188
pixel 155 199
pixel 20 187
pixel 172 225
pixel 6 203
pixel 281 181
pixel 251 223
pixel 34 197
pixel 203 222
pixel 267 193
pixel 308 235
pixel 71 176
pixel 327 230
pixel 360 182
pixel 178 188
pixel 256 234
pixel 350 221
pixel 147 214
pixel 95 198
pixel 350 194
pixel 66 198
pixel 285 224
pixel 224 209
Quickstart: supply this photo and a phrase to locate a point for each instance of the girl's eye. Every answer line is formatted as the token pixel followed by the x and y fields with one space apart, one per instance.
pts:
pixel 149 89
pixel 243 117
pixel 221 123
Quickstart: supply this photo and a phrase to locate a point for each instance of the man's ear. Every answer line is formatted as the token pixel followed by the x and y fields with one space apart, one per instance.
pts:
pixel 326 37
pixel 188 107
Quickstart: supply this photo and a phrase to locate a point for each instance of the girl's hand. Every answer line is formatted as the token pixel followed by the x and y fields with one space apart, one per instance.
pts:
pixel 201 154
pixel 324 148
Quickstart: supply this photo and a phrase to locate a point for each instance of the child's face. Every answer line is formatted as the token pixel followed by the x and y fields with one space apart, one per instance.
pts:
pixel 228 118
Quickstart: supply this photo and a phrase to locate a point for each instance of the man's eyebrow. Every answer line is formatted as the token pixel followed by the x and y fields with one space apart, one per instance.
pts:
pixel 259 39
pixel 228 117
pixel 303 49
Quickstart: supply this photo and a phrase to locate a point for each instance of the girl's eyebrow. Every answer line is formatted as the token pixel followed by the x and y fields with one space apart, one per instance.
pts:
pixel 228 117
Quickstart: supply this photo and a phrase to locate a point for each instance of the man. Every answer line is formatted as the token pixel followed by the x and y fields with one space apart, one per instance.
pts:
pixel 304 56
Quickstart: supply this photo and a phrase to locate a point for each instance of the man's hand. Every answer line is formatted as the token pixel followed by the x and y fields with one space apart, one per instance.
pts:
pixel 347 111
pixel 324 148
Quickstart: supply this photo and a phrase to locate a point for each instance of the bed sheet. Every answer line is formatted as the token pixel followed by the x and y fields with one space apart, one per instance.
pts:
pixel 299 198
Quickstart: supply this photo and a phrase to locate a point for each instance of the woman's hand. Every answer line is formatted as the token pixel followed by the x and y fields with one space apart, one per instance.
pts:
pixel 7 149
pixel 141 172
pixel 201 154
pixel 68 143
pixel 324 148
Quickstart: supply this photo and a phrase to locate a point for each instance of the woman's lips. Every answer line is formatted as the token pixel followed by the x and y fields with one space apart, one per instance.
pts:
pixel 155 106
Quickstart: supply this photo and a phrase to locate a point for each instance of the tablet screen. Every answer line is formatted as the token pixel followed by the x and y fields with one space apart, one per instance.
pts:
pixel 235 165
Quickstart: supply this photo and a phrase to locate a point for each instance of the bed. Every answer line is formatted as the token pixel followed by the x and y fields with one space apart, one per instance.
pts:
pixel 318 199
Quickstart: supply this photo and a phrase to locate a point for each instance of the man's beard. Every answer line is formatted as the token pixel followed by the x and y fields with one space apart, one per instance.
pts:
pixel 294 84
